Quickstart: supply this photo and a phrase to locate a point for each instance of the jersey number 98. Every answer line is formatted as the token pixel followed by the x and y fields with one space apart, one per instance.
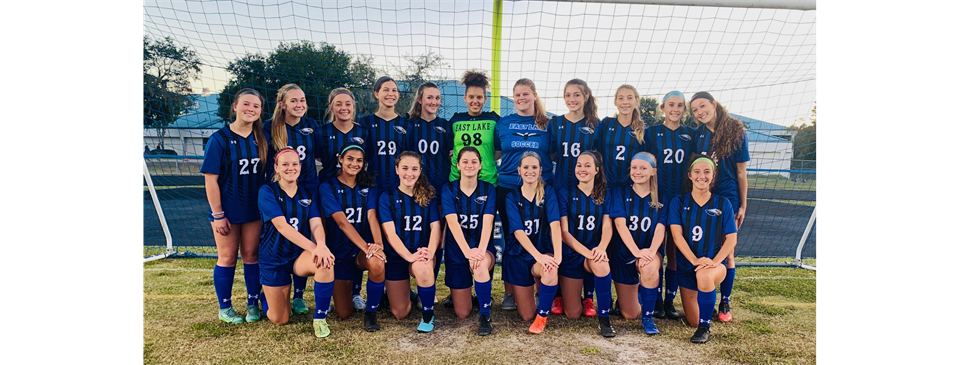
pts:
pixel 467 141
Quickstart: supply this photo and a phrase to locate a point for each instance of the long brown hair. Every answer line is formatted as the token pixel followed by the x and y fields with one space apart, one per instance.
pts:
pixel 422 190
pixel 278 130
pixel 729 132
pixel 258 136
pixel 599 181
pixel 635 121
pixel 416 108
pixel 540 117
pixel 590 106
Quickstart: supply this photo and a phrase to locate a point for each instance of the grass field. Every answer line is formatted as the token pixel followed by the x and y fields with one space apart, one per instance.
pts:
pixel 774 323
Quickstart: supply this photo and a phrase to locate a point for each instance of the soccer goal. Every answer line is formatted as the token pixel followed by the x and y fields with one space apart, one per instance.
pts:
pixel 757 58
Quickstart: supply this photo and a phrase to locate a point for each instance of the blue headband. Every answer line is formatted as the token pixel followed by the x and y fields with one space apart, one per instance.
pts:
pixel 350 147
pixel 646 157
pixel 672 94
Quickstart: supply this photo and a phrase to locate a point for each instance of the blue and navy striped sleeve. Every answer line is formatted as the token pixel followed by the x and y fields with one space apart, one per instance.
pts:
pixel 384 210
pixel 314 210
pixel 513 211
pixel 446 199
pixel 743 155
pixel 615 202
pixel 328 200
pixel 550 203
pixel 729 220
pixel 267 202
pixel 673 213
pixel 563 202
pixel 213 156
pixel 433 211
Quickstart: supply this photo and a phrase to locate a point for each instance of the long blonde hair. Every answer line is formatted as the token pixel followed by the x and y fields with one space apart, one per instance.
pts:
pixel 337 92
pixel 652 182
pixel 541 185
pixel 278 130
pixel 635 121
pixel 540 117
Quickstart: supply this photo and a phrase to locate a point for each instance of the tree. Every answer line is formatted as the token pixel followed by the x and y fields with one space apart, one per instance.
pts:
pixel 805 142
pixel 419 70
pixel 167 71
pixel 317 68
pixel 648 111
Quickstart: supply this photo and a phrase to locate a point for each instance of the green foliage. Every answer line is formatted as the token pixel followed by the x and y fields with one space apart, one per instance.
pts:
pixel 805 142
pixel 648 111
pixel 590 351
pixel 167 71
pixel 317 68
pixel 419 70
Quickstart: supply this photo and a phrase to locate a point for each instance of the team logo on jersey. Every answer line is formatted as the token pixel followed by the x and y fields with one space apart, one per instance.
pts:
pixel 364 191
pixel 356 140
pixel 526 135
pixel 631 133
pixel 585 130
pixel 399 129
pixel 714 212
pixel 439 129
pixel 686 208
pixel 306 131
pixel 685 137
pixel 629 200
pixel 233 141
pixel 659 134
pixel 481 199
pixel 305 202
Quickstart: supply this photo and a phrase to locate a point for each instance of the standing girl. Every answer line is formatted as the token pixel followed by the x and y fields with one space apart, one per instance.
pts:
pixel 290 213
pixel 670 143
pixel 531 251
pixel 388 133
pixel 232 176
pixel 475 127
pixel 334 136
pixel 515 134
pixel 570 134
pixel 431 137
pixel 705 233
pixel 724 139
pixel 622 137
pixel 587 229
pixel 411 224
pixel 292 129
pixel 350 203
pixel 637 249
pixel 468 206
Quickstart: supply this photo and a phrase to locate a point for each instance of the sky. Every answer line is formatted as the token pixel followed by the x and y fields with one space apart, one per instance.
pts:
pixel 760 63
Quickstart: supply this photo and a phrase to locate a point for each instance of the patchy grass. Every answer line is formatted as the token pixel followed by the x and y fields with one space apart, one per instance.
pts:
pixel 774 323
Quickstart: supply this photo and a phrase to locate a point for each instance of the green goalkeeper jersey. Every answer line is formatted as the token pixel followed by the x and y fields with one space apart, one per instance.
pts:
pixel 477 132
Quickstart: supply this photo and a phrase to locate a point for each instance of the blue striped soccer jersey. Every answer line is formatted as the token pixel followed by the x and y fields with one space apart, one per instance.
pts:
pixel 618 144
pixel 304 137
pixel 726 183
pixel 534 220
pixel 567 140
pixel 433 140
pixel 387 139
pixel 354 202
pixel 584 218
pixel 236 162
pixel 671 149
pixel 411 221
pixel 470 210
pixel 641 219
pixel 332 142
pixel 275 249
pixel 704 227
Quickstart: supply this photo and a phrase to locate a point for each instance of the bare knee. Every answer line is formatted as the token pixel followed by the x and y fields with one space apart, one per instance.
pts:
pixel 400 313
pixel 344 313
pixel 630 316
pixel 279 319
pixel 573 313
pixel 462 313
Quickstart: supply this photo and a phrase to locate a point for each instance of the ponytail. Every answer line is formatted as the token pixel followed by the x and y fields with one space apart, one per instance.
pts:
pixel 590 106
pixel 636 123
pixel 278 130
pixel 540 117
pixel 416 108
pixel 259 138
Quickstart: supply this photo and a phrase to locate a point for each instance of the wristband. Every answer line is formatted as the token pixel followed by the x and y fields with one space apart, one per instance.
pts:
pixel 219 218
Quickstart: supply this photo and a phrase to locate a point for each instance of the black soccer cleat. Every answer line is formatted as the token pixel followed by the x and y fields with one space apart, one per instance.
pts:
pixel 658 311
pixel 447 302
pixel 370 321
pixel 606 330
pixel 669 311
pixel 701 335
pixel 485 326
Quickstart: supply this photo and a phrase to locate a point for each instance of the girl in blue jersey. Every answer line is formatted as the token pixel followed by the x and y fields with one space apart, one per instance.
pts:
pixel 705 232
pixel 531 250
pixel 339 132
pixel 468 206
pixel 724 139
pixel 431 137
pixel 637 249
pixel 334 136
pixel 232 174
pixel 411 224
pixel 622 137
pixel 353 234
pixel 387 133
pixel 301 133
pixel 570 134
pixel 670 143
pixel 290 214
pixel 587 229
pixel 515 134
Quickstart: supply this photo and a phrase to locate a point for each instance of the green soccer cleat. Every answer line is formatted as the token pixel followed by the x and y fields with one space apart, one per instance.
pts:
pixel 253 313
pixel 230 316
pixel 299 307
pixel 320 328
